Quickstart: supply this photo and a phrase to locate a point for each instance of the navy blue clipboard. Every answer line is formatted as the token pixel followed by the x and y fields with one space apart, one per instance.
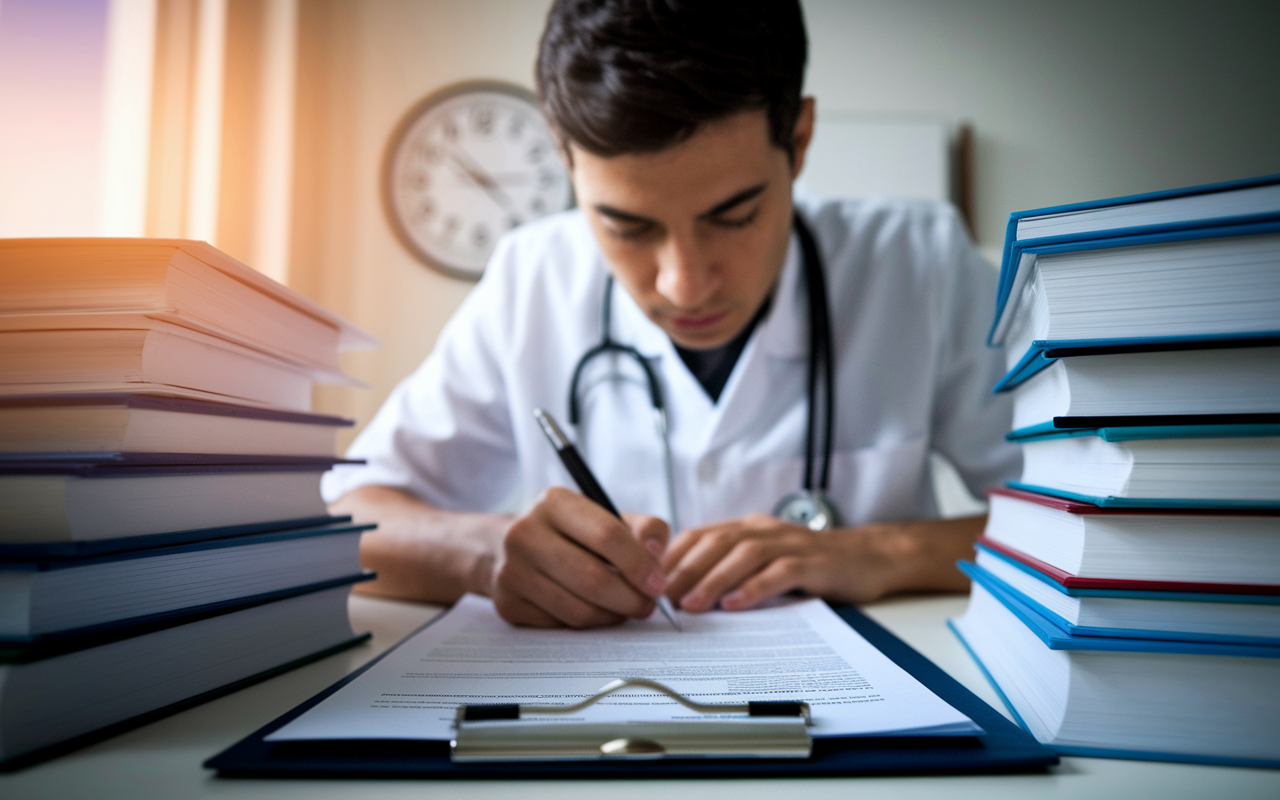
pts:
pixel 1004 748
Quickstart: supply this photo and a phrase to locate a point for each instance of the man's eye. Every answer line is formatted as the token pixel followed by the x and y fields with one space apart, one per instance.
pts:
pixel 738 221
pixel 629 230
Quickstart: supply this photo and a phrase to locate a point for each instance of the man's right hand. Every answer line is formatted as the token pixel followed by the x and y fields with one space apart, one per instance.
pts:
pixel 570 562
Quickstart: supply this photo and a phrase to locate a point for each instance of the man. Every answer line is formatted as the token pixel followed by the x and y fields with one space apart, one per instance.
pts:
pixel 683 127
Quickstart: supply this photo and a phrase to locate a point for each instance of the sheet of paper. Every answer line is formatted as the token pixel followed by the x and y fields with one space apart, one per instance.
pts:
pixel 793 651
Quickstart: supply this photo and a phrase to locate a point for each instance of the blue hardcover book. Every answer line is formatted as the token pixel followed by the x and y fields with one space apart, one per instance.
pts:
pixel 1173 616
pixel 1040 354
pixel 1155 503
pixel 1116 697
pixel 69 603
pixel 1133 433
pixel 1056 638
pixel 1186 269
pixel 1224 205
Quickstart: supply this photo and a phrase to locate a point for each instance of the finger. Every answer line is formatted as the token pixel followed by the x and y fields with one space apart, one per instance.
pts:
pixel 779 577
pixel 606 536
pixel 545 595
pixel 710 548
pixel 566 563
pixel 651 532
pixel 680 546
pixel 689 539
pixel 518 611
pixel 748 557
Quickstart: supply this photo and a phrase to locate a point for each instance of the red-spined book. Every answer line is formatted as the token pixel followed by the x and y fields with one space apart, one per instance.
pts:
pixel 1081 546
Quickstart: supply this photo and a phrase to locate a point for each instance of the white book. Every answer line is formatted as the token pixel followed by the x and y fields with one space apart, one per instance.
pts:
pixel 1242 380
pixel 1239 470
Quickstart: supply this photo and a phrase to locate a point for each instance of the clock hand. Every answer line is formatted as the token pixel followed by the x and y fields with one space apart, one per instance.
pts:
pixel 477 174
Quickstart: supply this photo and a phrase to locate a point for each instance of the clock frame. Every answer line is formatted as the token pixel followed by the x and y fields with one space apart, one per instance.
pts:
pixel 464 165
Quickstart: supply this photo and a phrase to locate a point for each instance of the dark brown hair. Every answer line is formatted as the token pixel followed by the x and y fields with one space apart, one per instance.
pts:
pixel 637 76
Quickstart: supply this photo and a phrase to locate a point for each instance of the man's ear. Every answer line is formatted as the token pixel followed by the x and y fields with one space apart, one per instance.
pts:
pixel 802 135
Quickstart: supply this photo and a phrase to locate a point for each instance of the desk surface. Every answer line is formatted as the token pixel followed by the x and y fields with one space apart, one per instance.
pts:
pixel 163 759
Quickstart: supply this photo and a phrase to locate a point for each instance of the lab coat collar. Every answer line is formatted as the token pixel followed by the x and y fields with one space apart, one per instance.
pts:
pixel 784 333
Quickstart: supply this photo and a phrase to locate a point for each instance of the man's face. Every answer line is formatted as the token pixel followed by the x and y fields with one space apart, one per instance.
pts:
pixel 696 233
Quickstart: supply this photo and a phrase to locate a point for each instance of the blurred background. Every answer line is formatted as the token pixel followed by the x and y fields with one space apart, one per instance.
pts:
pixel 261 125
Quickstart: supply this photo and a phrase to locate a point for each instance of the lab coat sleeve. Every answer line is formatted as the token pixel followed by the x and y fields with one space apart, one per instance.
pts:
pixel 444 434
pixel 969 421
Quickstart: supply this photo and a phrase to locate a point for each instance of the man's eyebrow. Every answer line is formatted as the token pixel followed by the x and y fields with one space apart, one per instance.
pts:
pixel 719 208
pixel 619 214
pixel 738 199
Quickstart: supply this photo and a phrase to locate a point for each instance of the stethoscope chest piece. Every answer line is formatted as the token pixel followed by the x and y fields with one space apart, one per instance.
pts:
pixel 810 509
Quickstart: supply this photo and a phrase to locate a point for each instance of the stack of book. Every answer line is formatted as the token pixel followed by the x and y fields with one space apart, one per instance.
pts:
pixel 162 534
pixel 1126 590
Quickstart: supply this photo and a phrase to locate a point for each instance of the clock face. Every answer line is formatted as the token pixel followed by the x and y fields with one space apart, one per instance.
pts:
pixel 466 165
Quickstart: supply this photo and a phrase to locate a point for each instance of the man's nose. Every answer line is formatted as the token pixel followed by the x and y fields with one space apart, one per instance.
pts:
pixel 686 277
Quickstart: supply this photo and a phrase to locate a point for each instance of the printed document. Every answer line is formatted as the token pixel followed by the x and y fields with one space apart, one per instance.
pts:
pixel 796 650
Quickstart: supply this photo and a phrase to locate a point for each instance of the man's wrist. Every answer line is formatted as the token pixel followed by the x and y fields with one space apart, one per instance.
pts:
pixel 917 556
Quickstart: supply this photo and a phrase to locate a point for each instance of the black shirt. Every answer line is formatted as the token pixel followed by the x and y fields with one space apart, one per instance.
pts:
pixel 713 367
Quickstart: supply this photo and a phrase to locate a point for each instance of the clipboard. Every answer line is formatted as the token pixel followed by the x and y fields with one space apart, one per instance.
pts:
pixel 506 732
pixel 1003 748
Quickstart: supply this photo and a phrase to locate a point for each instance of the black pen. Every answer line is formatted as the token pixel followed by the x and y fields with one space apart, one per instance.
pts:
pixel 590 487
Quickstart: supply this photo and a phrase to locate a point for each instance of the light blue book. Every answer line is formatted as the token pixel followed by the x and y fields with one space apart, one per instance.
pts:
pixel 1118 697
pixel 1116 613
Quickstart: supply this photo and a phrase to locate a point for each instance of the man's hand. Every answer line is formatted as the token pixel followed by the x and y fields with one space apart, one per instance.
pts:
pixel 739 563
pixel 570 562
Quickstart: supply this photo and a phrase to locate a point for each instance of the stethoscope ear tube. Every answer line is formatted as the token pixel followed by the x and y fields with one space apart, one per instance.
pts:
pixel 608 345
pixel 821 364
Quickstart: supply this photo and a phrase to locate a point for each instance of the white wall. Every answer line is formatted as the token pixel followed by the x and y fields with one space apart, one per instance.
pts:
pixel 1070 101
pixel 361 66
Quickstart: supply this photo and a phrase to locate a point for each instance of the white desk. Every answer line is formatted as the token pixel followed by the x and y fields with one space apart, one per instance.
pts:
pixel 163 759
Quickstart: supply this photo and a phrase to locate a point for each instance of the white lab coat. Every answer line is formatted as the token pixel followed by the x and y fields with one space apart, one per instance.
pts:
pixel 910 302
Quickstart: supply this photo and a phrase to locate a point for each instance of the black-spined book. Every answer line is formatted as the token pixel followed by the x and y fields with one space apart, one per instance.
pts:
pixel 61 497
pixel 53 601
pixel 53 700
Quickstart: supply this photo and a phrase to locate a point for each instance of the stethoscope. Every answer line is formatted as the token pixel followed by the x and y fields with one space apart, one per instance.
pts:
pixel 810 506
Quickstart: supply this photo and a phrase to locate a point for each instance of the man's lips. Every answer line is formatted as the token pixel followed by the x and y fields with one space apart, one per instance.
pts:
pixel 694 322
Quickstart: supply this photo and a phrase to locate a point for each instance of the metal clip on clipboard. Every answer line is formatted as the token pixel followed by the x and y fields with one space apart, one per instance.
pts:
pixel 509 732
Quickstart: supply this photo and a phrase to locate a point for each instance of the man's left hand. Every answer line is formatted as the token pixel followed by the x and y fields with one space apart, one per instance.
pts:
pixel 741 562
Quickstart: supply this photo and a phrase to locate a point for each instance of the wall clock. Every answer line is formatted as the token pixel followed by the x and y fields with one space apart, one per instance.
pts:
pixel 465 165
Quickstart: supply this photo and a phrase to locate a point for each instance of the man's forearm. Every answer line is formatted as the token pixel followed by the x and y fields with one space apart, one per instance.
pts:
pixel 421 552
